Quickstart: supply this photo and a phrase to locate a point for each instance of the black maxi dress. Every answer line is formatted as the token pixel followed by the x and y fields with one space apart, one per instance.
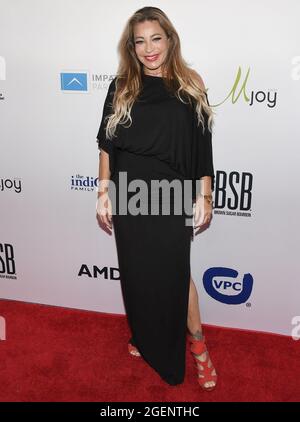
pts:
pixel 163 142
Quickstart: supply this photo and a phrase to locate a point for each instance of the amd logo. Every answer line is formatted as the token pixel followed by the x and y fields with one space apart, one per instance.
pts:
pixel 110 273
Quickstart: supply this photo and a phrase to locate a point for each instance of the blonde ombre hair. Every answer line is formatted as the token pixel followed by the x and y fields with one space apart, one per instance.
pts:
pixel 178 76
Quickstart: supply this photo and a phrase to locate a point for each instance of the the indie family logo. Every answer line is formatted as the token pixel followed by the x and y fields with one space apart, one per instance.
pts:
pixel 83 183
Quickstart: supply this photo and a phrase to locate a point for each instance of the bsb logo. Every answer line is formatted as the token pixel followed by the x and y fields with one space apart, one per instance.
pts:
pixel 223 284
pixel 233 191
pixel 7 261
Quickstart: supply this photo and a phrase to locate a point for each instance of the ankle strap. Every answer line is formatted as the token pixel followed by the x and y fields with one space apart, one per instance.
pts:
pixel 197 346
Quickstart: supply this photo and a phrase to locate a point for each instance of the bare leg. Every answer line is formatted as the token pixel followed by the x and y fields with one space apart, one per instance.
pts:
pixel 194 321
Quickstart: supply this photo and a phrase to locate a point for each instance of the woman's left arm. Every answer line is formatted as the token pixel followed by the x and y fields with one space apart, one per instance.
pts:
pixel 203 204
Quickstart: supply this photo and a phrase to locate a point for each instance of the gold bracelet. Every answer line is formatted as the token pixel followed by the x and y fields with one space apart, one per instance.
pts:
pixel 105 188
pixel 207 197
pixel 101 192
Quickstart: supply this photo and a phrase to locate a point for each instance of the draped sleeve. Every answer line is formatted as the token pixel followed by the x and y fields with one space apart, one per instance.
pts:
pixel 103 142
pixel 202 151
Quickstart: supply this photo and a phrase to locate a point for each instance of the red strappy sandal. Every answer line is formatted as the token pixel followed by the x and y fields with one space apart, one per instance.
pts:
pixel 133 350
pixel 206 370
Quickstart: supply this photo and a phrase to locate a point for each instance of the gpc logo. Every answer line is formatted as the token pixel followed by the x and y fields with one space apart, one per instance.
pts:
pixel 222 284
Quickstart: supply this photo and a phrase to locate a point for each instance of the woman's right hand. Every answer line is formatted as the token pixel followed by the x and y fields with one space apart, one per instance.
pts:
pixel 104 209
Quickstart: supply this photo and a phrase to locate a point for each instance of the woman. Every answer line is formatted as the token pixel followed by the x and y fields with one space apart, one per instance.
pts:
pixel 156 126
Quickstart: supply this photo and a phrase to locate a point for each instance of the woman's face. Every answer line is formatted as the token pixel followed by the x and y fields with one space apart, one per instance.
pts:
pixel 151 46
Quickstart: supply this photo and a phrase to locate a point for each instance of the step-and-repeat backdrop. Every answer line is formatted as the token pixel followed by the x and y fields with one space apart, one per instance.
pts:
pixel 57 58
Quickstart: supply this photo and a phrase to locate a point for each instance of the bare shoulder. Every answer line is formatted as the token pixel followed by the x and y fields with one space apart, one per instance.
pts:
pixel 199 79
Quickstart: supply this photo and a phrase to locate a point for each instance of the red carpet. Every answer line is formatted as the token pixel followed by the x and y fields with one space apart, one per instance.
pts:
pixel 58 354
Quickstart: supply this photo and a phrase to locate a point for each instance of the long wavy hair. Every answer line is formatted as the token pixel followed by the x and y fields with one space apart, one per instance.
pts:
pixel 179 78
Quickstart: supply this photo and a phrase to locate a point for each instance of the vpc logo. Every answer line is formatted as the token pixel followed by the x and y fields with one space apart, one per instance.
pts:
pixel 223 284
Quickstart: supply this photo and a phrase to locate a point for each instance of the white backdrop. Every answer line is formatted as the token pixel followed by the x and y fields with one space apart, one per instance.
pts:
pixel 52 250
